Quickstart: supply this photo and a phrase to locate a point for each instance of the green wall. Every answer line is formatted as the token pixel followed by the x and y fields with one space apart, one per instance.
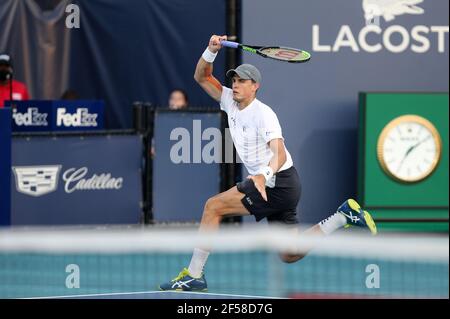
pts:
pixel 422 206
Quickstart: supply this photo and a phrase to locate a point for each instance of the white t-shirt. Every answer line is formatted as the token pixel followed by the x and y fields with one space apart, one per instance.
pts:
pixel 251 129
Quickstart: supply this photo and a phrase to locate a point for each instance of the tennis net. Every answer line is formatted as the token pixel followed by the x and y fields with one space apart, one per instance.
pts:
pixel 58 262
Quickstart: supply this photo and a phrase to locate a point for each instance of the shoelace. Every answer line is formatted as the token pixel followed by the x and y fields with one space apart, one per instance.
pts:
pixel 182 273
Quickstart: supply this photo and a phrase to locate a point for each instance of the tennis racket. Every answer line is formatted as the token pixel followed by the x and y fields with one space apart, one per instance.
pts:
pixel 273 52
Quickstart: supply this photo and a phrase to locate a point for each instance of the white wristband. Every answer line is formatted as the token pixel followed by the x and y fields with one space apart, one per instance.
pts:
pixel 267 172
pixel 208 56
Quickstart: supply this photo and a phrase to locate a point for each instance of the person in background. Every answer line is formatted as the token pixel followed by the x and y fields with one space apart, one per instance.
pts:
pixel 178 100
pixel 19 89
pixel 70 95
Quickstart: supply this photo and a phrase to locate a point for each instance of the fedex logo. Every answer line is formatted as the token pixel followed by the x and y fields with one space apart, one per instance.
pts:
pixel 82 118
pixel 32 117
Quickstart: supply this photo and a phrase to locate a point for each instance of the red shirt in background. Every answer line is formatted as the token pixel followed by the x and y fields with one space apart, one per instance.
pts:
pixel 20 92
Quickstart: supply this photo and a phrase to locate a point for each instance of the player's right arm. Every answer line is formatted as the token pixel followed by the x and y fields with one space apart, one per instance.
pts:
pixel 203 71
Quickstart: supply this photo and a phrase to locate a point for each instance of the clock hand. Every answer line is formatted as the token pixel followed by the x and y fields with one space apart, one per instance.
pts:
pixel 404 157
pixel 410 149
pixel 417 144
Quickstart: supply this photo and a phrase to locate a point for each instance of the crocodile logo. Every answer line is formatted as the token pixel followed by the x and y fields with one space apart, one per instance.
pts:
pixel 389 9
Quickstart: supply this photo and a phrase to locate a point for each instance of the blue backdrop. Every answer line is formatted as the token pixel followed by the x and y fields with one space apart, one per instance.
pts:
pixel 316 102
pixel 140 49
pixel 123 51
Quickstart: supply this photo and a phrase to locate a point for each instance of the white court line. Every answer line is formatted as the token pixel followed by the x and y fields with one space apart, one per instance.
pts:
pixel 152 292
pixel 229 295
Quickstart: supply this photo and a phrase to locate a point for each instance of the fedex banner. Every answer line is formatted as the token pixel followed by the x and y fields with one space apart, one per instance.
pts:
pixel 76 180
pixel 39 115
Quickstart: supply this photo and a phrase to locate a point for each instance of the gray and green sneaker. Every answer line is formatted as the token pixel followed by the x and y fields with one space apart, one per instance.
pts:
pixel 356 216
pixel 185 282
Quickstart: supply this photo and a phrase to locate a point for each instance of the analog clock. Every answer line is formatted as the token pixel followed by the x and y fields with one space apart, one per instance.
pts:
pixel 409 148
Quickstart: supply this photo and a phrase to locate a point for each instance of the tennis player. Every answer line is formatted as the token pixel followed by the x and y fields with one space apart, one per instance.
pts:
pixel 273 189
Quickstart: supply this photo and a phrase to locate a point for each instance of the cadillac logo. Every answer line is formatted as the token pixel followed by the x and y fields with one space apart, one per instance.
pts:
pixel 36 180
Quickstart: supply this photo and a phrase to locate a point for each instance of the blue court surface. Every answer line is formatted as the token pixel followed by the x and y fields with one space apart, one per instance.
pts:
pixel 229 276
pixel 125 272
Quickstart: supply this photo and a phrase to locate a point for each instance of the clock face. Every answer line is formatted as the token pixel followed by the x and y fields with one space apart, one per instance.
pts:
pixel 409 148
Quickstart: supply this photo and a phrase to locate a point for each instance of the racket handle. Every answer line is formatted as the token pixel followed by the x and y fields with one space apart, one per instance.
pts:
pixel 230 44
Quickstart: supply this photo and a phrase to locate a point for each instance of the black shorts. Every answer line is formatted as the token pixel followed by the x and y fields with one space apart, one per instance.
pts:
pixel 281 202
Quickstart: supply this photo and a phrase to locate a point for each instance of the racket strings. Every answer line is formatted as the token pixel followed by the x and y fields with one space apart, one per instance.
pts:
pixel 286 54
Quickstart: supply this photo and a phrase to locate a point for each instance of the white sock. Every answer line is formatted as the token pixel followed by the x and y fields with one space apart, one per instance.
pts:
pixel 198 261
pixel 332 223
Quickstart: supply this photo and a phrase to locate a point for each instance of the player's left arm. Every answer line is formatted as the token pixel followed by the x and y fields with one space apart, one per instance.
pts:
pixel 277 161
